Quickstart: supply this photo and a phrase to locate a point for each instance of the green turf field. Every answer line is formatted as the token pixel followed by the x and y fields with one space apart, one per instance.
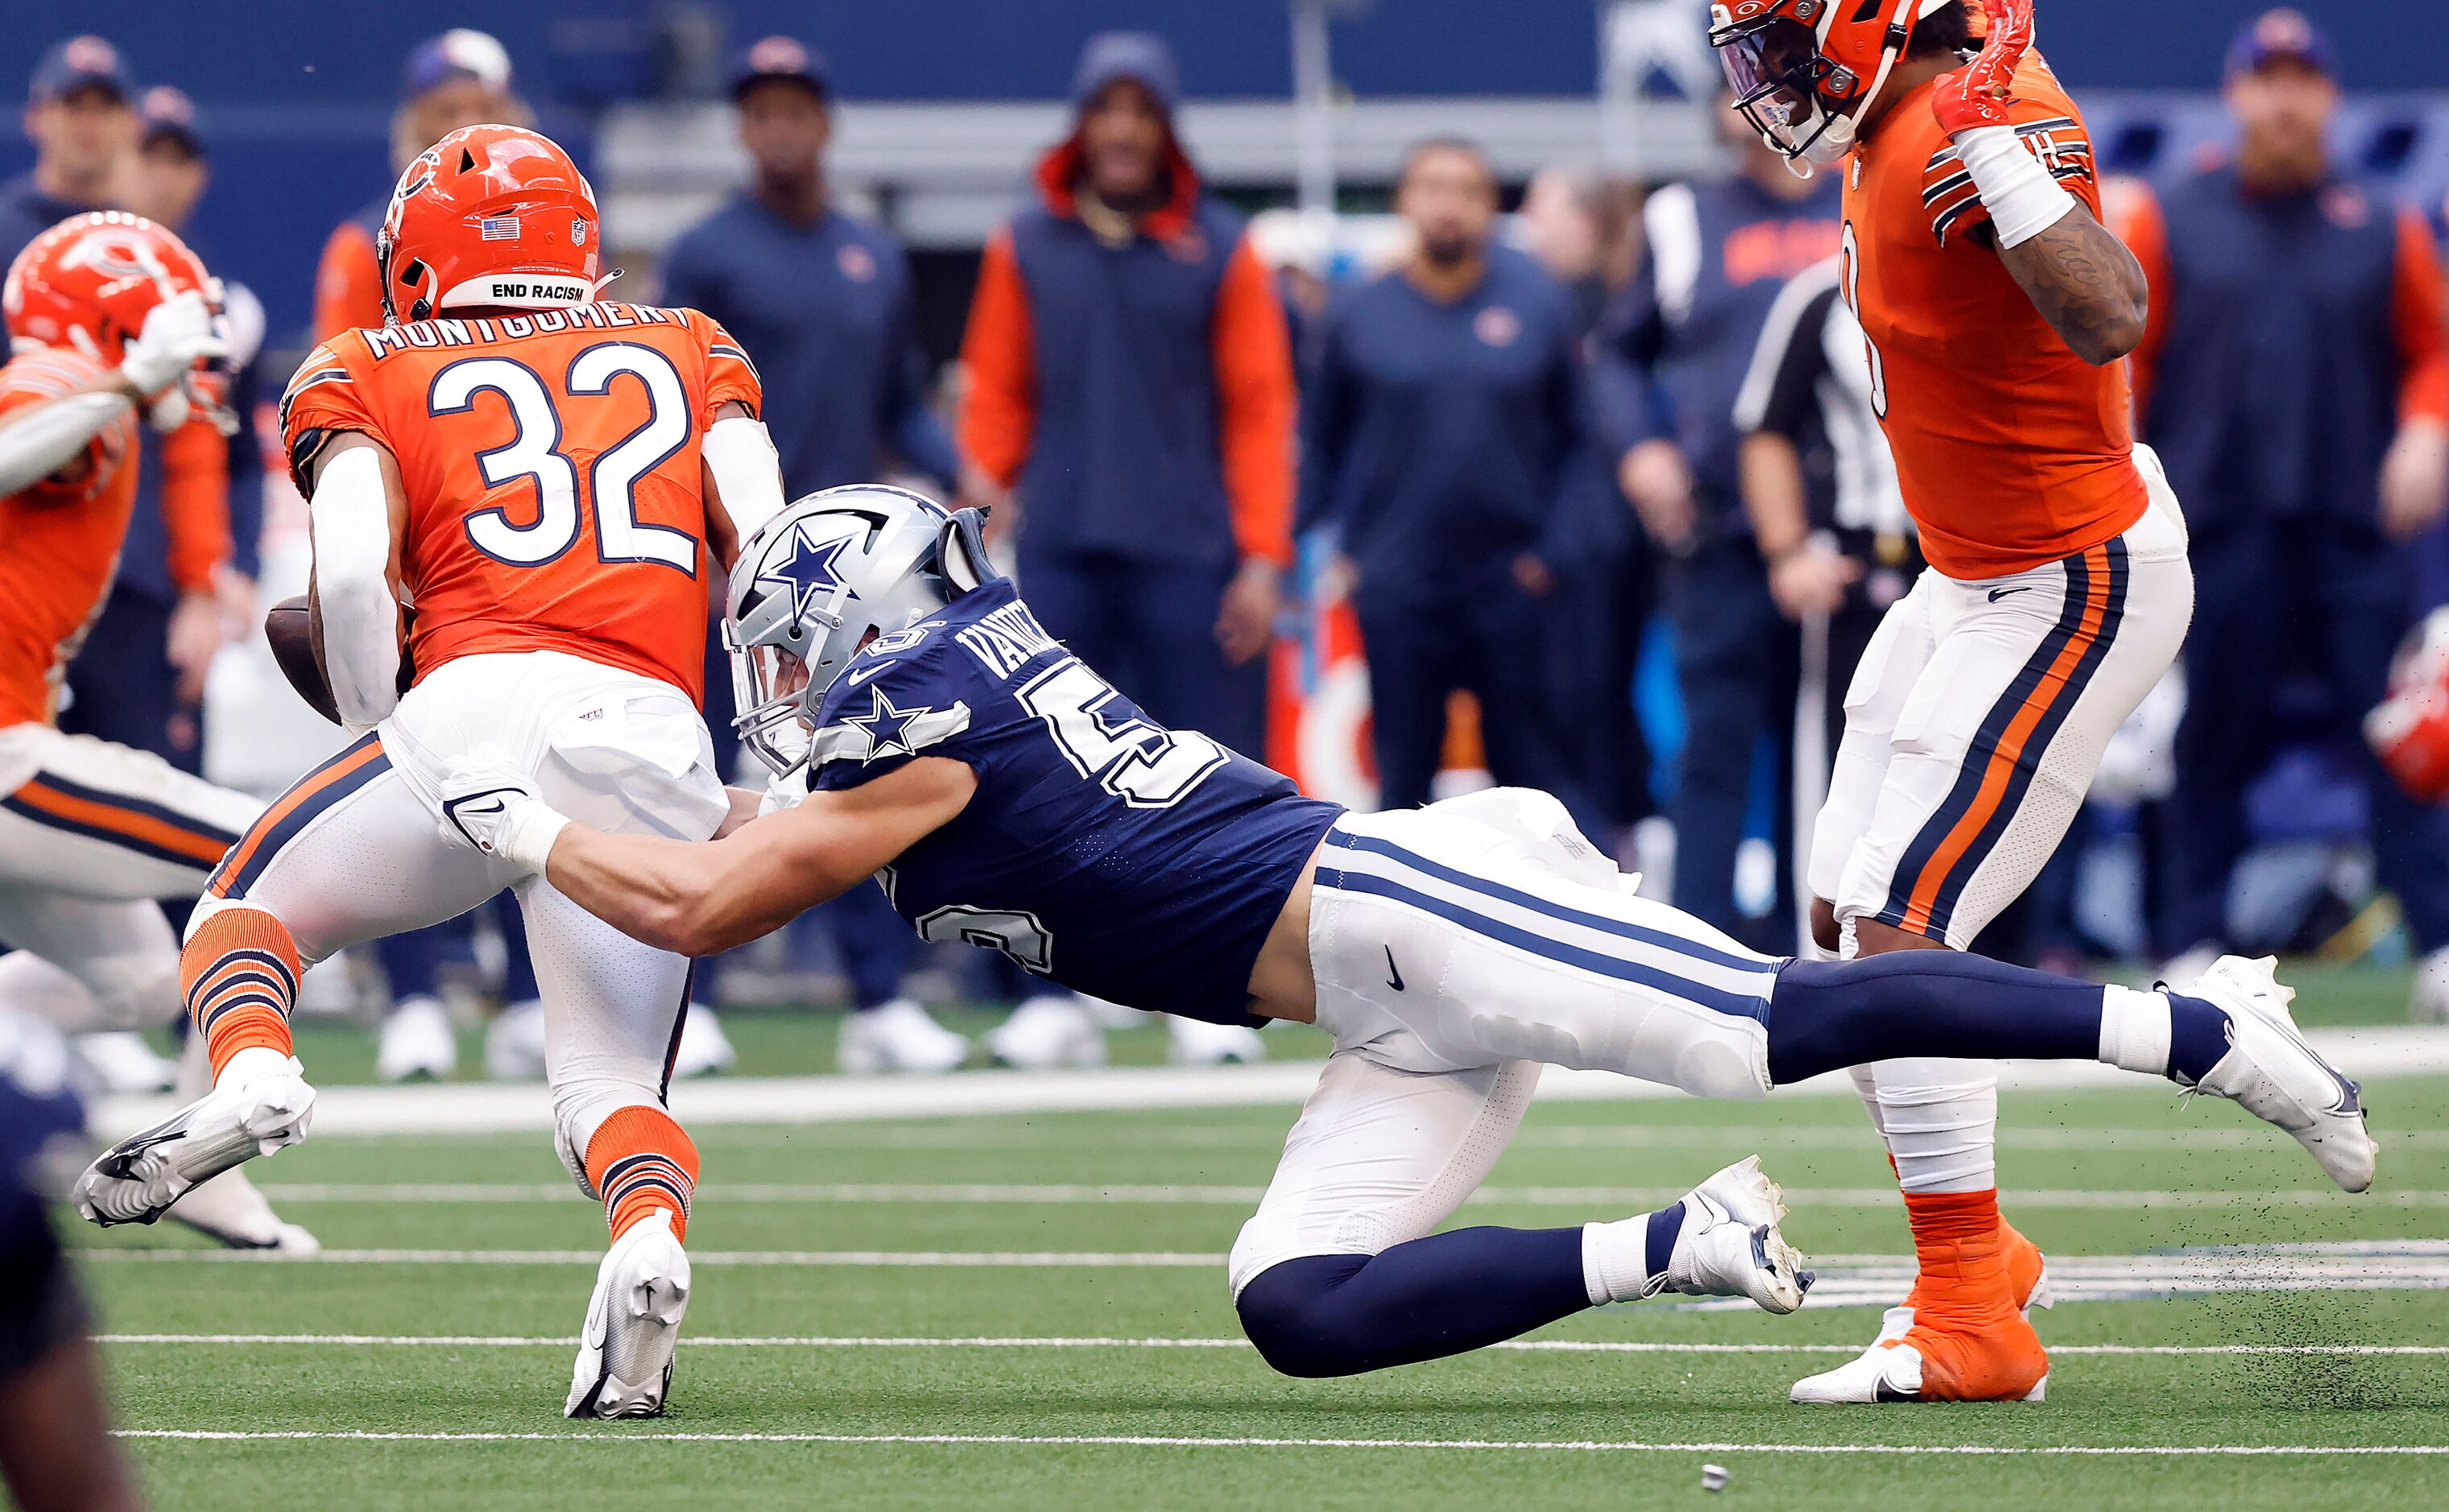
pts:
pixel 846 1359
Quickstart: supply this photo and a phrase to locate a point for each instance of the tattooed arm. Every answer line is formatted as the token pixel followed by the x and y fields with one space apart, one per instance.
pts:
pixel 2085 284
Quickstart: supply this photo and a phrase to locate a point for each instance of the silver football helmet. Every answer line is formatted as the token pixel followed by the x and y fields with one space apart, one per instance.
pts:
pixel 820 580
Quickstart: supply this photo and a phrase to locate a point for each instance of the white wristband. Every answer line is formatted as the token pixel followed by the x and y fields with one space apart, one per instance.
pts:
pixel 528 835
pixel 2022 198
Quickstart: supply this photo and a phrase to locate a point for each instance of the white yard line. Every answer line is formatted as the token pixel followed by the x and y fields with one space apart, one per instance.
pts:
pixel 920 1258
pixel 1084 1194
pixel 509 1108
pixel 478 1340
pixel 1167 1442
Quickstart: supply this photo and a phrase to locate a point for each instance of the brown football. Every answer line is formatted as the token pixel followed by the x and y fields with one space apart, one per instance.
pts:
pixel 293 646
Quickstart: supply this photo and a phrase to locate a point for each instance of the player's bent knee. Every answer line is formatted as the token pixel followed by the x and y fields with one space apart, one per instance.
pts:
pixel 1292 1314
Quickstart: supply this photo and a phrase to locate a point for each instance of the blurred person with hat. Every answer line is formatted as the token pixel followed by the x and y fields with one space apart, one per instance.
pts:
pixel 81 117
pixel 820 299
pixel 187 571
pixel 1131 384
pixel 460 78
pixel 2294 378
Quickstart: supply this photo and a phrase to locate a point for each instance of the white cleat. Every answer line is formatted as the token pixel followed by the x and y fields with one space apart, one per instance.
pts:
pixel 258 1109
pixel 634 1324
pixel 1730 1247
pixel 898 1036
pixel 514 1043
pixel 2279 1079
pixel 1050 1030
pixel 705 1048
pixel 1199 1043
pixel 1887 1371
pixel 121 1062
pixel 2429 1002
pixel 230 1212
pixel 418 1040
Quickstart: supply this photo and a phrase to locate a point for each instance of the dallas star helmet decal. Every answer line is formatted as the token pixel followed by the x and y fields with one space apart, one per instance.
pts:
pixel 810 573
pixel 888 728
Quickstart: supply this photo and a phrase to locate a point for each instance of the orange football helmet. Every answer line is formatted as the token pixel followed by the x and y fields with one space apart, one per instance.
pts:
pixel 87 283
pixel 490 218
pixel 1804 69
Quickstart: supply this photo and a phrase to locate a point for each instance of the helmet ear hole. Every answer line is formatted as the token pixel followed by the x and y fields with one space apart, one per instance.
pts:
pixel 1868 10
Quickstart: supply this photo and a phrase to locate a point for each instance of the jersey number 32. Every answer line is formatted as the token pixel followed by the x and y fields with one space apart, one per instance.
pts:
pixel 534 453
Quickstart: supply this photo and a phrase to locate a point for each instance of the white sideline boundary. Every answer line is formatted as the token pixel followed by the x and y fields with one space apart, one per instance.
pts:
pixel 1844 1280
pixel 483 1108
pixel 1166 1442
pixel 479 1341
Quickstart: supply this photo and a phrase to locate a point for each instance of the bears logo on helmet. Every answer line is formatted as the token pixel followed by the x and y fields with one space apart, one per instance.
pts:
pixel 89 283
pixel 490 216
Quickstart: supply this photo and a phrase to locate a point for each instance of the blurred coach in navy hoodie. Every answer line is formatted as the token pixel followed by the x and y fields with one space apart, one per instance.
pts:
pixel 1445 443
pixel 1132 381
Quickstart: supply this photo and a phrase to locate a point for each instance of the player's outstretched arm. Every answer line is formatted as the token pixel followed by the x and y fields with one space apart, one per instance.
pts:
pixel 48 439
pixel 696 899
pixel 2075 271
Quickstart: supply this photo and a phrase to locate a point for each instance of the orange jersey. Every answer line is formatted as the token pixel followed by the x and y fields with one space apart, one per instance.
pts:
pixel 551 461
pixel 2012 450
pixel 59 540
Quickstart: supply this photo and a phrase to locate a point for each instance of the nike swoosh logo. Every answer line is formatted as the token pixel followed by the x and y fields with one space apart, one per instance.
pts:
pixel 854 678
pixel 1394 976
pixel 1996 594
pixel 476 804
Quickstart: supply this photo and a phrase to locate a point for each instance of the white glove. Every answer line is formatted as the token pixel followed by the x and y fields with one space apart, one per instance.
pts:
pixel 488 807
pixel 179 331
pixel 784 791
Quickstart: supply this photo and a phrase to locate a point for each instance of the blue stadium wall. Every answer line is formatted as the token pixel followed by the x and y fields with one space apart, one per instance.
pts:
pixel 295 93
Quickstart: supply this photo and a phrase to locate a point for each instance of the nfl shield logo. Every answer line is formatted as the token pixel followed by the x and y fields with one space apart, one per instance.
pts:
pixel 577 232
pixel 499 228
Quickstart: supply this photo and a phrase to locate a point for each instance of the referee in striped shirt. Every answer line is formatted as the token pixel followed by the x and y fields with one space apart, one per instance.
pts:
pixel 1821 489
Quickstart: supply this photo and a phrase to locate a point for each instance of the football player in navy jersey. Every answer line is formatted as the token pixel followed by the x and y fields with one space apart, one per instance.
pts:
pixel 931 735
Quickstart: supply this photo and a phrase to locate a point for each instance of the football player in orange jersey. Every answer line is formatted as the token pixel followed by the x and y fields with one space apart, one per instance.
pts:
pixel 110 316
pixel 537 478
pixel 1995 307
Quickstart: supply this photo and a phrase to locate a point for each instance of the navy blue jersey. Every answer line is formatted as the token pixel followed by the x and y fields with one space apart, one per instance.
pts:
pixel 1137 863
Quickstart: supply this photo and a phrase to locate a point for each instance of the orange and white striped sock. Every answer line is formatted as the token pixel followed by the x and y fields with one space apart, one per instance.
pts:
pixel 238 974
pixel 642 1160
